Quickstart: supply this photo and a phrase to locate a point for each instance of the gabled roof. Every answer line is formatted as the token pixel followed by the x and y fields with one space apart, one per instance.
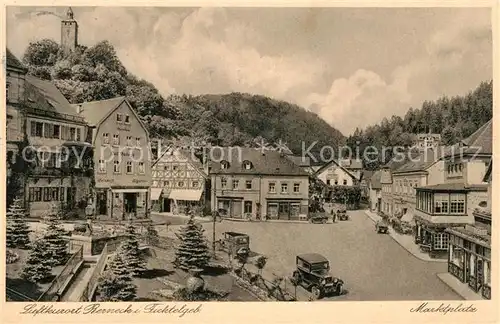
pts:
pixel 366 175
pixel 263 162
pixel 420 163
pixel 396 163
pixel 48 97
pixel 352 164
pixel 481 139
pixel 185 154
pixel 375 180
pixel 13 61
pixel 95 112
pixel 327 165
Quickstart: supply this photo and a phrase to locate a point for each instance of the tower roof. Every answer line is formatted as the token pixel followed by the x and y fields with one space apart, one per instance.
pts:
pixel 69 13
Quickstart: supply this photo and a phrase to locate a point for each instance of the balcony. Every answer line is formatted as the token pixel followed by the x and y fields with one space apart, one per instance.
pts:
pixel 54 114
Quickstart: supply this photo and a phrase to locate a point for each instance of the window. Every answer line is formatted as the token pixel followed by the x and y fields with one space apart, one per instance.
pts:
pixel 78 134
pixel 105 138
pixel 119 118
pixel 137 141
pixel 195 184
pixel 56 131
pixel 248 207
pixel 35 194
pixel 272 187
pixel 223 183
pixel 129 141
pixel 102 166
pixel 296 187
pixel 345 182
pixel 441 241
pixel 166 167
pixel 36 129
pixel 166 183
pixel 248 184
pixel 116 139
pixel 180 184
pixel 127 119
pixel 441 203
pixel 336 182
pixel 155 183
pixel 247 165
pixel 328 182
pixel 116 167
pixel 141 168
pixel 224 165
pixel 130 169
pixel 457 203
pixel 284 187
pixel 72 133
pixel 236 184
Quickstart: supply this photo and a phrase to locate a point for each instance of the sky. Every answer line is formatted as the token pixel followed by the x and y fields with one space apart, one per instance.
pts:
pixel 351 66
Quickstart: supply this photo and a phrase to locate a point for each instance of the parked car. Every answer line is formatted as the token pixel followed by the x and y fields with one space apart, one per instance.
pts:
pixel 236 244
pixel 318 218
pixel 313 273
pixel 381 226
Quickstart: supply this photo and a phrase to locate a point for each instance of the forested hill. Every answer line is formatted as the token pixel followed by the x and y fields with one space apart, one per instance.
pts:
pixel 96 73
pixel 454 118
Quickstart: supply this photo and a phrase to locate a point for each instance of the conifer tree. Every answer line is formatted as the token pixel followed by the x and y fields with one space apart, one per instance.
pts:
pixel 116 283
pixel 130 252
pixel 152 234
pixel 193 251
pixel 17 227
pixel 54 236
pixel 38 265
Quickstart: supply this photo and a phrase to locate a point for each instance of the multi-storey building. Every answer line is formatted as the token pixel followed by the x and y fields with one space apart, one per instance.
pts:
pixel 249 182
pixel 469 257
pixel 122 155
pixel 334 174
pixel 44 125
pixel 453 202
pixel 354 166
pixel 178 182
pixel 375 191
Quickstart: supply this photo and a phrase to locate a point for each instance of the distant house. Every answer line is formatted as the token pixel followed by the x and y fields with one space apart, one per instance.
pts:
pixel 375 191
pixel 178 182
pixel 453 202
pixel 364 183
pixel 334 174
pixel 354 166
pixel 248 182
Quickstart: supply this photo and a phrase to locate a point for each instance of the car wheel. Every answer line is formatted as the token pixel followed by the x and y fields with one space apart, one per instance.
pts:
pixel 316 292
pixel 339 290
pixel 324 221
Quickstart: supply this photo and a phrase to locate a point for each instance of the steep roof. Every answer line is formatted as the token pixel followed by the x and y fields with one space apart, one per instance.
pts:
pixel 95 111
pixel 481 140
pixel 48 97
pixel 420 163
pixel 13 61
pixel 267 162
pixel 396 163
pixel 375 180
pixel 351 163
pixel 366 175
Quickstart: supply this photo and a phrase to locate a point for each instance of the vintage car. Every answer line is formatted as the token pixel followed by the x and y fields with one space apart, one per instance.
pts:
pixel 318 218
pixel 342 215
pixel 381 226
pixel 313 273
pixel 235 244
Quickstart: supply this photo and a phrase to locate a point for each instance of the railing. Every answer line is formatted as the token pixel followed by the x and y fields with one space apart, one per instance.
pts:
pixel 47 113
pixel 94 279
pixel 60 280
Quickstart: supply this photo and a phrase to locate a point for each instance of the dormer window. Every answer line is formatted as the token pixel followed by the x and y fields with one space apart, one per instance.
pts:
pixel 247 165
pixel 224 165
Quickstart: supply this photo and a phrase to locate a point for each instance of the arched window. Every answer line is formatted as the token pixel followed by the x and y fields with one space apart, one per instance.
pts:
pixel 224 165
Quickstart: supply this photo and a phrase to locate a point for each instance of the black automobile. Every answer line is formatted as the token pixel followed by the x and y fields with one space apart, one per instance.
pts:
pixel 313 273
pixel 318 218
pixel 342 215
pixel 236 244
pixel 381 226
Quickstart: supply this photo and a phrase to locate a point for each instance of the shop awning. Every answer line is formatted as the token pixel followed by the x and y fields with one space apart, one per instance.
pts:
pixel 185 194
pixel 129 190
pixel 156 193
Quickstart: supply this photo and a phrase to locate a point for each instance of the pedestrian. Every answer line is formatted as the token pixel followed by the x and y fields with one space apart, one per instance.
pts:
pixel 334 216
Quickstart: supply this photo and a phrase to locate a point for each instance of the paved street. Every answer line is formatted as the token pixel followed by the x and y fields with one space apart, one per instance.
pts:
pixel 373 266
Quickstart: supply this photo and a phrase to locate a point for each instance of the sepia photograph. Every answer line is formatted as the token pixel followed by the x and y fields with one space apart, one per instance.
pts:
pixel 248 154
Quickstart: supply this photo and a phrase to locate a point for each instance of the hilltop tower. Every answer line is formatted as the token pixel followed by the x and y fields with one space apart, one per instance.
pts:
pixel 69 33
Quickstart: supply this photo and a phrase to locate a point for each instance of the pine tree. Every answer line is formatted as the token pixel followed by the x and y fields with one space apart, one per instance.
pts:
pixel 152 234
pixel 58 245
pixel 116 283
pixel 129 250
pixel 38 264
pixel 192 252
pixel 17 228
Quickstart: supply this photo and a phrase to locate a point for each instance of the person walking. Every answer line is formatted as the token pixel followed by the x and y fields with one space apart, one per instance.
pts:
pixel 334 216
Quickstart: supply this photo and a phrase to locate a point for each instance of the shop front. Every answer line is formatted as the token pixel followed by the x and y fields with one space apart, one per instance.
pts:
pixel 431 238
pixel 129 203
pixel 469 258
pixel 183 201
pixel 289 209
pixel 231 207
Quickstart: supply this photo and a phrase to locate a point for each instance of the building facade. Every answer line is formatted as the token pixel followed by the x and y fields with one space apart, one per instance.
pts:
pixel 375 192
pixel 428 141
pixel 69 33
pixel 122 172
pixel 53 138
pixel 452 203
pixel 249 183
pixel 333 174
pixel 178 182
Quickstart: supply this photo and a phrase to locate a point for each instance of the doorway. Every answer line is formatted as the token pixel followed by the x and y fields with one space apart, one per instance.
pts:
pixel 130 202
pixel 102 203
pixel 167 202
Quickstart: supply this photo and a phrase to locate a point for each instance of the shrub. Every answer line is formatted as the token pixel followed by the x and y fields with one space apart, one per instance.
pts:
pixel 11 256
